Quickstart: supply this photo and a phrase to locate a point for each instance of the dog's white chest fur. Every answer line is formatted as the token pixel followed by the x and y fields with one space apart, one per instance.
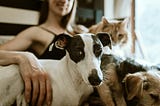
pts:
pixel 73 85
pixel 11 85
pixel 66 91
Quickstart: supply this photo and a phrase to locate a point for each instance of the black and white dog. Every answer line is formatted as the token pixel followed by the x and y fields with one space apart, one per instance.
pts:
pixel 73 77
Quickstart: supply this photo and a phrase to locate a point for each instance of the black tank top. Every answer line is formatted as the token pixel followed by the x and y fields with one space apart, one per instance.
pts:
pixel 52 52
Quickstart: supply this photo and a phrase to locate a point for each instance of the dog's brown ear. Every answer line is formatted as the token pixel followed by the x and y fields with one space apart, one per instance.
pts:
pixel 133 86
pixel 62 40
pixel 105 39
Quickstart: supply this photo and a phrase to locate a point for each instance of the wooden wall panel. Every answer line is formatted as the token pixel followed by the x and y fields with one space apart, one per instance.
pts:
pixel 16 15
pixel 23 4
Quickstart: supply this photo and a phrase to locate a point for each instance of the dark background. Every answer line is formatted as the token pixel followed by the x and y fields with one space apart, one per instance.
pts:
pixel 89 12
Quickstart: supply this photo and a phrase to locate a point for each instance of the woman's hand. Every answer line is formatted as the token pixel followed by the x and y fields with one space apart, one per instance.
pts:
pixel 36 80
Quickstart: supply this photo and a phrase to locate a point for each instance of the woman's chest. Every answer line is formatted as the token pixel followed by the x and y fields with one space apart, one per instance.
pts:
pixel 41 43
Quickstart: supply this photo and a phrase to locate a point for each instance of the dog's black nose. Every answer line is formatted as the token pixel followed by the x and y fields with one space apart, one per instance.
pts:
pixel 93 78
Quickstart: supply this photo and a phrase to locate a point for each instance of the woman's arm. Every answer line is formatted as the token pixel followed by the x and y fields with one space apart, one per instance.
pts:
pixel 36 80
pixel 20 42
pixel 32 74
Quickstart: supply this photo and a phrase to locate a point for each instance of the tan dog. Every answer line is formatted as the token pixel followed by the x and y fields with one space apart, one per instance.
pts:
pixel 140 87
pixel 145 87
pixel 111 90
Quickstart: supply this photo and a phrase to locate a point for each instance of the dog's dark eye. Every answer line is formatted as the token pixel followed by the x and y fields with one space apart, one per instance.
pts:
pixel 145 85
pixel 79 52
pixel 97 49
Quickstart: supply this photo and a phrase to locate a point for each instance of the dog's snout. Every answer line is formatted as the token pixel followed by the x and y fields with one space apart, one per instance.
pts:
pixel 93 78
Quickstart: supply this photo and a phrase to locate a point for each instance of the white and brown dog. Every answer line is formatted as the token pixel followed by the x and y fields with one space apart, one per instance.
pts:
pixel 73 77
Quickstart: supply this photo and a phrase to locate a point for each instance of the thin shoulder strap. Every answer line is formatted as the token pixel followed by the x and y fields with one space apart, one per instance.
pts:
pixel 47 30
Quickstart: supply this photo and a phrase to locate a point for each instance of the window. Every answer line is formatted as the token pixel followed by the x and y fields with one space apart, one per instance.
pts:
pixel 148 24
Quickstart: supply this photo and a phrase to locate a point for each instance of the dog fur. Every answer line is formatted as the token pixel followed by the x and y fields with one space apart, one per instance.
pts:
pixel 115 71
pixel 127 80
pixel 72 77
pixel 119 32
pixel 143 88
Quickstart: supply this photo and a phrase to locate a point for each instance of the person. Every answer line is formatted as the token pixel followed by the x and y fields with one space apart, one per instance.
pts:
pixel 34 42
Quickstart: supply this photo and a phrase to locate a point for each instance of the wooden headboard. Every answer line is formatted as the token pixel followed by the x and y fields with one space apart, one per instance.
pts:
pixel 16 15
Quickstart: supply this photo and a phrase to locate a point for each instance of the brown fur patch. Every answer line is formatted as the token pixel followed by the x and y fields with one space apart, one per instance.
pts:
pixel 117 30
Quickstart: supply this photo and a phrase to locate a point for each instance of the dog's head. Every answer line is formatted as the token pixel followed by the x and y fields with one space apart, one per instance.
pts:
pixel 85 51
pixel 145 86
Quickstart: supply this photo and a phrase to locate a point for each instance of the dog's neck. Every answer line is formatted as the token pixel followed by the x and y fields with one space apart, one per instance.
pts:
pixel 80 85
pixel 73 71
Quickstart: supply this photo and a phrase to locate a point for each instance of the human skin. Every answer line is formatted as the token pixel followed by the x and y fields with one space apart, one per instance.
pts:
pixel 36 80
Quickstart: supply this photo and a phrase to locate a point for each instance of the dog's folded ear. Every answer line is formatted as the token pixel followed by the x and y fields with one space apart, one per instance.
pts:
pixel 104 38
pixel 133 86
pixel 62 40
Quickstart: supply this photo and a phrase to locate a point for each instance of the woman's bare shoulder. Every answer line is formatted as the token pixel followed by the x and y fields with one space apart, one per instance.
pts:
pixel 31 32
